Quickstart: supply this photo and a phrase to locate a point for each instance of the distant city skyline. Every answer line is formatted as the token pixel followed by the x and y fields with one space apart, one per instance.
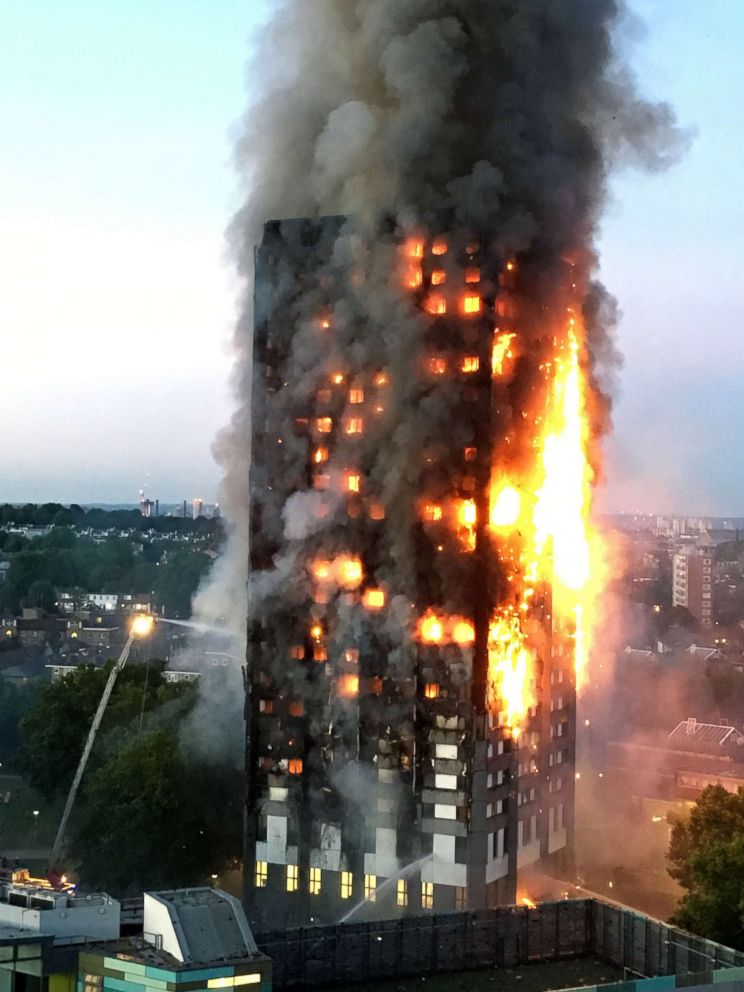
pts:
pixel 119 299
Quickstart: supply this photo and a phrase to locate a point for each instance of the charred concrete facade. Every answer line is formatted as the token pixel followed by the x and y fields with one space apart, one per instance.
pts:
pixel 375 767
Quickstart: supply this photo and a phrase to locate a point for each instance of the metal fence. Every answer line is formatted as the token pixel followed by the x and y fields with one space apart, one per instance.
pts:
pixel 421 945
pixel 499 938
pixel 649 947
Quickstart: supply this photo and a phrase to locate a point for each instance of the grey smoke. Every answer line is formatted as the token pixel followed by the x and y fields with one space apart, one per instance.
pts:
pixel 505 117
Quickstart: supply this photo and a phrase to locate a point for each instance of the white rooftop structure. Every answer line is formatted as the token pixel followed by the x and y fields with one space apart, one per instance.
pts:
pixel 198 925
pixel 34 906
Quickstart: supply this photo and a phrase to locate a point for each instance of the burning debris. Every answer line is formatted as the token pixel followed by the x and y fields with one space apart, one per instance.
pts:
pixel 422 408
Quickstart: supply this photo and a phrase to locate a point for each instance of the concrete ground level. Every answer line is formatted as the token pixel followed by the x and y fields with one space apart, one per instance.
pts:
pixel 543 977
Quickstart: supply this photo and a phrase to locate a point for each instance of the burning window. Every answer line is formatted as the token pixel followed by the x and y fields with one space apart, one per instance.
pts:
pixel 461 897
pixel 262 874
pixel 324 425
pixel 315 880
pixel 325 323
pixel 435 304
pixel 439 247
pixel 472 276
pixel 347 884
pixel 297 652
pixel 266 706
pixel 320 653
pixel 370 887
pixel 471 363
pixel 374 686
pixel 293 876
pixel 377 511
pixel 471 304
pixel 470 454
pixel 463 633
pixel 321 482
pixel 354 425
pixel 502 350
pixel 432 513
pixel 438 366
pixel 413 276
pixel 381 379
pixel 321 571
pixel 349 571
pixel 294 767
pixel 356 395
pixel 296 708
pixel 348 686
pixel 353 482
pixel 432 629
pixel 414 248
pixel 468 513
pixel 320 456
pixel 337 378
pixel 427 895
pixel 351 655
pixel 401 892
pixel 316 631
pixel 374 599
pixel 438 277
pixel 431 690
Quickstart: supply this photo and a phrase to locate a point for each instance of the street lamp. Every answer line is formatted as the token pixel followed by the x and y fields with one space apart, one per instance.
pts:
pixel 141 626
pixel 36 824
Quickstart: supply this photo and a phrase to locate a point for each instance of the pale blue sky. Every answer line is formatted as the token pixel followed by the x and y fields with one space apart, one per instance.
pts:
pixel 117 301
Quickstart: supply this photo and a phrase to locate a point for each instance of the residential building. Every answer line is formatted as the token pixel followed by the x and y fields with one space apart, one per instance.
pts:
pixel 692 583
pixel 379 769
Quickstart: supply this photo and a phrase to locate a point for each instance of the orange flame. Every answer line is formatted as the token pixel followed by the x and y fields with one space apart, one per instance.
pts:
pixel 502 351
pixel 506 506
pixel 348 686
pixel 435 629
pixel 510 669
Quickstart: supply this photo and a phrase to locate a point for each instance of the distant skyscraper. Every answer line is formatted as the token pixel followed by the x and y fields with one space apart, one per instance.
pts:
pixel 197 508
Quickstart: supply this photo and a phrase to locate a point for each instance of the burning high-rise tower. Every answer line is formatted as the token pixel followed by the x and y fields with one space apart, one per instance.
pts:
pixel 423 563
pixel 422 402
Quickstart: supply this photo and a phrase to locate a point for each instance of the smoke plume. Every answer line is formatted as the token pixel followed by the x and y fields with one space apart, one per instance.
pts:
pixel 495 119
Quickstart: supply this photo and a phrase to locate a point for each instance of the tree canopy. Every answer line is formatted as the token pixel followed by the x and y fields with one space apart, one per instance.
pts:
pixel 147 815
pixel 707 859
pixel 152 819
pixel 55 728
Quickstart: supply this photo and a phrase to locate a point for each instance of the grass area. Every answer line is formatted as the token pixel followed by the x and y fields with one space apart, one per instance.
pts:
pixel 19 828
pixel 555 975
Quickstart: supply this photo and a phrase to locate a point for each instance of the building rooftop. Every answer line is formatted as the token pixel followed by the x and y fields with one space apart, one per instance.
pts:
pixel 691 735
pixel 198 925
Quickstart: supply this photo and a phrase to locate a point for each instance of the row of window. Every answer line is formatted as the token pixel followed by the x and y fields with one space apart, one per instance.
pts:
pixel 346 883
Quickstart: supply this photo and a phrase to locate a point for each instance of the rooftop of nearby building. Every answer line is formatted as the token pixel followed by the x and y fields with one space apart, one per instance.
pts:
pixel 199 925
pixel 692 735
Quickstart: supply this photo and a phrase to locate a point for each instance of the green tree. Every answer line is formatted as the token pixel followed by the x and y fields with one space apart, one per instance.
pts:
pixel 706 852
pixel 54 730
pixel 15 700
pixel 151 819
pixel 41 593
